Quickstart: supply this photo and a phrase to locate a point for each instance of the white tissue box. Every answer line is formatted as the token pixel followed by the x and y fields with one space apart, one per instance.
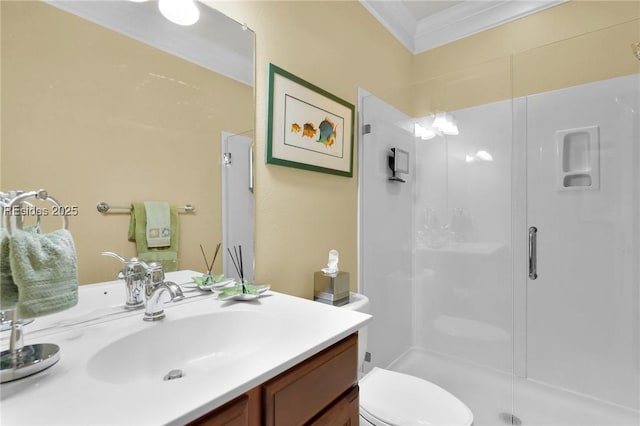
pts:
pixel 331 290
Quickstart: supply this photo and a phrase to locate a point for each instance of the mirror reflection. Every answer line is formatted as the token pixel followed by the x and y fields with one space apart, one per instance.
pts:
pixel 110 102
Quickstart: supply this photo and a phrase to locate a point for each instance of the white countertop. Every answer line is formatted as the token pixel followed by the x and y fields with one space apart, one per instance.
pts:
pixel 67 394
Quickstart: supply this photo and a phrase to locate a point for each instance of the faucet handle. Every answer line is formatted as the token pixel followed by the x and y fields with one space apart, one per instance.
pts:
pixel 141 262
pixel 116 255
pixel 129 262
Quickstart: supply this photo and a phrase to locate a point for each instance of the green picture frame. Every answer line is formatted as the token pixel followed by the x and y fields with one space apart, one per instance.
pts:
pixel 308 128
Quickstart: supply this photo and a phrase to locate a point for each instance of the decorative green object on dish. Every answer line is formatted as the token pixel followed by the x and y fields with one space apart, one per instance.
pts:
pixel 236 290
pixel 206 279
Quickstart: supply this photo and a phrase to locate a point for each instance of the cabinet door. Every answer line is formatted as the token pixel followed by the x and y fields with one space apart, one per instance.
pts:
pixel 344 412
pixel 298 395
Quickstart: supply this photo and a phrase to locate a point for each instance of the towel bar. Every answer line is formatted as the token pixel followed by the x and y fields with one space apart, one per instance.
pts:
pixel 104 208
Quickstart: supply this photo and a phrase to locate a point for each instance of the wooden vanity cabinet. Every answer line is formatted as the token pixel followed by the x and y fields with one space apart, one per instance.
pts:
pixel 245 410
pixel 322 390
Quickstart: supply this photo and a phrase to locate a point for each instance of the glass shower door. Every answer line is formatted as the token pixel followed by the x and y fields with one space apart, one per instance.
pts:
pixel 580 361
pixel 237 201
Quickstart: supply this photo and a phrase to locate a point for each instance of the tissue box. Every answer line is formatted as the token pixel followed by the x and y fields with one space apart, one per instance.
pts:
pixel 331 290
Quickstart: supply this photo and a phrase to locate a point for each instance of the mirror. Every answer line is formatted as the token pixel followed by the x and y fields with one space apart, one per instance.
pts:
pixel 106 101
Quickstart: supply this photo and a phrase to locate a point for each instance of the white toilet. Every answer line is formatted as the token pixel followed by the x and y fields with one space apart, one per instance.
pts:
pixel 389 398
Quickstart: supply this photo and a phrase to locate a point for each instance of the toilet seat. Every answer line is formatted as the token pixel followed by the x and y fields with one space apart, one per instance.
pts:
pixel 389 398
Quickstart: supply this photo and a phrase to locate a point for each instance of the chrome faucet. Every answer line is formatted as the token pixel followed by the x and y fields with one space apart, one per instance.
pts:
pixel 133 275
pixel 155 286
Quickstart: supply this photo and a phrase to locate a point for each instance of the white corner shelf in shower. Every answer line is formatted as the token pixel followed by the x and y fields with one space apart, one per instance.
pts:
pixel 578 159
pixel 471 248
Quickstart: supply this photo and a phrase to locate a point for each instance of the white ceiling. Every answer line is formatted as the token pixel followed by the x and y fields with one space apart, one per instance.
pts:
pixel 421 25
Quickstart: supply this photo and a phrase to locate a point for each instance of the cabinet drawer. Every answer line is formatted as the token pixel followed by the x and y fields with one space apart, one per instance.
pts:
pixel 298 395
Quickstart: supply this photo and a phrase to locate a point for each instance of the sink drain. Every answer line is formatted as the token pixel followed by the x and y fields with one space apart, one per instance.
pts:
pixel 173 374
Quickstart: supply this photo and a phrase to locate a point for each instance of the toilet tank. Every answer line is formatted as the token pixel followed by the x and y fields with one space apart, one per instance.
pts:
pixel 360 303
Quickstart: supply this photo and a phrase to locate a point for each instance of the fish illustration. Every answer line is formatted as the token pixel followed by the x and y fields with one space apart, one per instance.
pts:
pixel 295 128
pixel 309 130
pixel 327 132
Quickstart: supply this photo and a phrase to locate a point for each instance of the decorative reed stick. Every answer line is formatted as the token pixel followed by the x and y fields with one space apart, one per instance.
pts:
pixel 237 263
pixel 205 260
pixel 210 267
pixel 215 255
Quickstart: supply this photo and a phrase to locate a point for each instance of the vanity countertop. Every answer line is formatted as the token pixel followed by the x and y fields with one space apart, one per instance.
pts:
pixel 68 393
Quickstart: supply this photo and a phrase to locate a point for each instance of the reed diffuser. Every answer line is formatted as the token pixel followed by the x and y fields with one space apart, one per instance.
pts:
pixel 237 263
pixel 208 278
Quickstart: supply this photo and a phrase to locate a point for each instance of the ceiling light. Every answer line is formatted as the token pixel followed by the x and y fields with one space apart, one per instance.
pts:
pixel 440 121
pixel 450 128
pixel 428 134
pixel 484 155
pixel 181 12
pixel 423 133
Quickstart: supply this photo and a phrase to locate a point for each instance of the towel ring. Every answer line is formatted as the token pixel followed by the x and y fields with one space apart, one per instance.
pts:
pixel 40 195
pixel 4 203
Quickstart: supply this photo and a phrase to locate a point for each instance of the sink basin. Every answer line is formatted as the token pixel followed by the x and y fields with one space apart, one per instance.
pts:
pixel 189 345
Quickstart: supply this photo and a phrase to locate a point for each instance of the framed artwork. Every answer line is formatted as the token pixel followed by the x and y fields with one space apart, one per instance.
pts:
pixel 308 127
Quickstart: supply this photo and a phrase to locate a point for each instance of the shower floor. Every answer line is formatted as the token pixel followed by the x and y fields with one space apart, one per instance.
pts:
pixel 488 394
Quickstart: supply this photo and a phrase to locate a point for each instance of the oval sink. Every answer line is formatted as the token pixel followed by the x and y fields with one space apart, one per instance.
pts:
pixel 191 345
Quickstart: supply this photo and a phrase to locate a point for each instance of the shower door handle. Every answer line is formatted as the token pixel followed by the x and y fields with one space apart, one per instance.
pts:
pixel 251 167
pixel 533 253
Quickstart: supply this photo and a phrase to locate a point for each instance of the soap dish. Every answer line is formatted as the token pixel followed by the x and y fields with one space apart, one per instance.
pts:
pixel 209 282
pixel 235 292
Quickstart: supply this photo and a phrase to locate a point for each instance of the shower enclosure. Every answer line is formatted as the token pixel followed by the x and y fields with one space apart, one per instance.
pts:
pixel 506 269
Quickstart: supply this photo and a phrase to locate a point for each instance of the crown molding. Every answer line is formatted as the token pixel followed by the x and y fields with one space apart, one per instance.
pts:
pixel 395 18
pixel 454 23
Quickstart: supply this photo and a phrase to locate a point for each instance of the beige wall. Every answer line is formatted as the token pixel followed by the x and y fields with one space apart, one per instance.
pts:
pixel 573 43
pixel 339 46
pixel 93 116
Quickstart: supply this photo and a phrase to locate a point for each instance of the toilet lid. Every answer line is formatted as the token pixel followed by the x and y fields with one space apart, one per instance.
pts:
pixel 403 400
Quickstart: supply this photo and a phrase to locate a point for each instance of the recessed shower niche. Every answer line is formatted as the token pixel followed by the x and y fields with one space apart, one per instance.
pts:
pixel 578 157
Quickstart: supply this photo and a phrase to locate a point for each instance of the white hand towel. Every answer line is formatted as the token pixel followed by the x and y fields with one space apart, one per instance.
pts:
pixel 158 223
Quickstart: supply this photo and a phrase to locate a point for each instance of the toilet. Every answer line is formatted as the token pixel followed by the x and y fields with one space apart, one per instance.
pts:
pixel 389 398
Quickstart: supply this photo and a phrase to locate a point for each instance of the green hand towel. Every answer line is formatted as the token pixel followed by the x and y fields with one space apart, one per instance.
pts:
pixel 166 256
pixel 44 268
pixel 8 289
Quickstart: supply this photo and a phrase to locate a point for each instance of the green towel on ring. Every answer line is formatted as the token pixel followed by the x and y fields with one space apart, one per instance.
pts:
pixel 166 256
pixel 44 269
pixel 8 288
